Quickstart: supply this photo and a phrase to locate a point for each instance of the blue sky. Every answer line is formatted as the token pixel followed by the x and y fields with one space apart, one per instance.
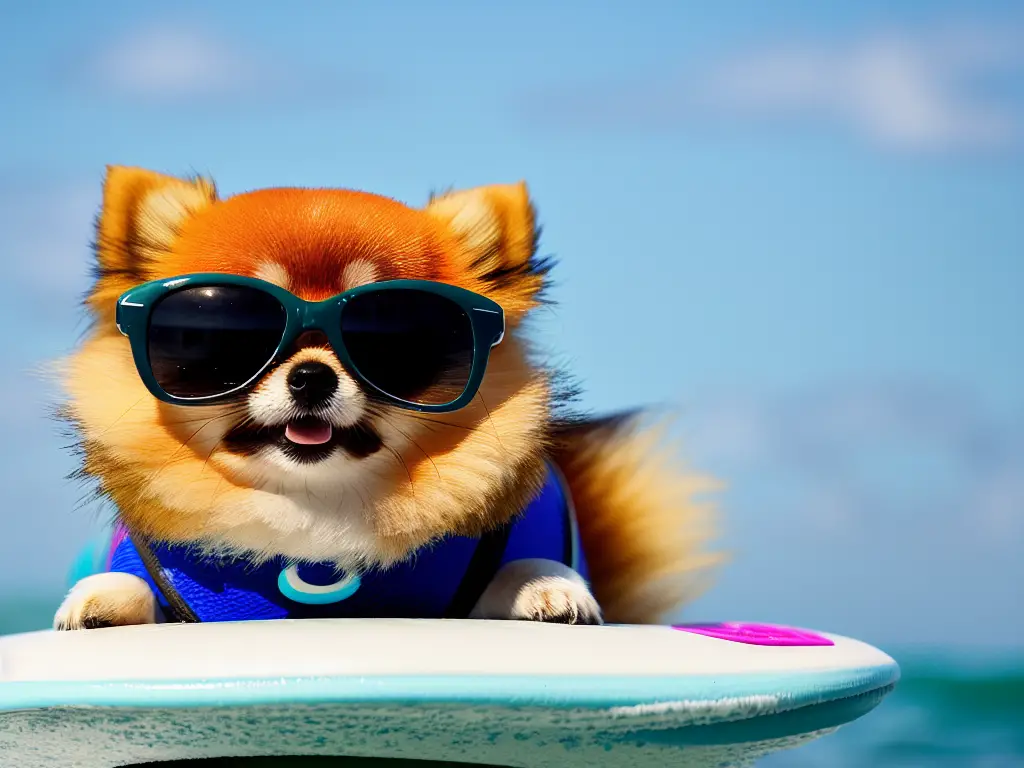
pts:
pixel 797 226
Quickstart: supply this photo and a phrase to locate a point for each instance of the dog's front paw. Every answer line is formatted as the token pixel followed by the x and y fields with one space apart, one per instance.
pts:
pixel 107 600
pixel 556 600
pixel 538 590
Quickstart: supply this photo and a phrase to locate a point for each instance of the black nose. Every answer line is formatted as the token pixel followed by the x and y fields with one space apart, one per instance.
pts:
pixel 312 384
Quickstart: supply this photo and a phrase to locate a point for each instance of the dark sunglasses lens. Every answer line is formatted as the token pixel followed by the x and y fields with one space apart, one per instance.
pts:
pixel 208 340
pixel 413 345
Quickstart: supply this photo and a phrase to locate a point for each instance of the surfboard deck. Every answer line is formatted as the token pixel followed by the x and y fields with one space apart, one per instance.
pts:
pixel 478 692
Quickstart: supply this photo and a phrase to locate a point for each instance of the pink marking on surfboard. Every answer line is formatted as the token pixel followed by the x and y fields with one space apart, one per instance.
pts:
pixel 756 634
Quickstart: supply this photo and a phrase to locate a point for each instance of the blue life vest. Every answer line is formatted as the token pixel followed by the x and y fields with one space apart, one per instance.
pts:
pixel 443 580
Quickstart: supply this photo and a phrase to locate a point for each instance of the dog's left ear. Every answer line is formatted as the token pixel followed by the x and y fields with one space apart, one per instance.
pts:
pixel 495 228
pixel 141 215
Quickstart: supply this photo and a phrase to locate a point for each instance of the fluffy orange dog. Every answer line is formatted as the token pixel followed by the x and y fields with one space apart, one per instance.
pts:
pixel 380 484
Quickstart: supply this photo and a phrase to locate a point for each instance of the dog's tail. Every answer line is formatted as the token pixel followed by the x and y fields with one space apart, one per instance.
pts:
pixel 643 531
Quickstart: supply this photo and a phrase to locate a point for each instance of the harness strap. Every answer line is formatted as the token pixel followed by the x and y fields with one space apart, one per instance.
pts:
pixel 480 572
pixel 177 609
pixel 490 551
pixel 570 526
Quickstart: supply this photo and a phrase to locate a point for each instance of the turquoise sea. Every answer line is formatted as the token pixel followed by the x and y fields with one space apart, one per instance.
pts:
pixel 951 709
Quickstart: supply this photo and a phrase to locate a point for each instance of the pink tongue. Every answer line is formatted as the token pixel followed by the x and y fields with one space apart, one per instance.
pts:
pixel 308 434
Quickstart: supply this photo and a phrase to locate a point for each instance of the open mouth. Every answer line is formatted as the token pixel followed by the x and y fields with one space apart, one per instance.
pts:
pixel 308 430
pixel 307 439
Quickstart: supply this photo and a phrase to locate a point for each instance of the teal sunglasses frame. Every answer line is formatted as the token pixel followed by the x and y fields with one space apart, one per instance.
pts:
pixel 134 308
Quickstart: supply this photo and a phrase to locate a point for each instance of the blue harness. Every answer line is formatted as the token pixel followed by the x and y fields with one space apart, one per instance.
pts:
pixel 443 580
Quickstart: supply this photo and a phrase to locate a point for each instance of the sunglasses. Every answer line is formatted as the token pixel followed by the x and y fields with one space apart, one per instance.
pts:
pixel 201 339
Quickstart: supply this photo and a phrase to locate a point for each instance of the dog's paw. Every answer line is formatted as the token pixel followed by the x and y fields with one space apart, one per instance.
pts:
pixel 538 590
pixel 107 600
pixel 556 600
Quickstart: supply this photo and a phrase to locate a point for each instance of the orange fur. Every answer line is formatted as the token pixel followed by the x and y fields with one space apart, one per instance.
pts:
pixel 167 471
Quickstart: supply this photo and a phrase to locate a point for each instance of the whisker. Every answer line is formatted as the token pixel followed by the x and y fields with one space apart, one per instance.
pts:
pixel 220 442
pixel 426 420
pixel 210 456
pixel 362 498
pixel 180 422
pixel 183 446
pixel 401 460
pixel 377 408
pixel 130 409
pixel 400 431
pixel 309 494
pixel 216 490
pixel 496 435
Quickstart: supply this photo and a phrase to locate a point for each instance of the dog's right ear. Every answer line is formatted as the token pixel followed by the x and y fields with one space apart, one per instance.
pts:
pixel 141 215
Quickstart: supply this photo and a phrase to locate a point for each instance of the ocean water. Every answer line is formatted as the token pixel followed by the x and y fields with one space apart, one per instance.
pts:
pixel 951 709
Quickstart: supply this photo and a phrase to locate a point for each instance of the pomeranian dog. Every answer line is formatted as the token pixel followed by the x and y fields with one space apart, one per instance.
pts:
pixel 323 402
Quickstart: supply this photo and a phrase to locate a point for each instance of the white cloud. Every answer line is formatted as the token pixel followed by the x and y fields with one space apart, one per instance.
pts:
pixel 175 63
pixel 939 90
pixel 865 455
pixel 903 90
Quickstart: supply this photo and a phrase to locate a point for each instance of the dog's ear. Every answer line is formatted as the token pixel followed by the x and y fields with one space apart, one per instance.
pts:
pixel 496 234
pixel 141 215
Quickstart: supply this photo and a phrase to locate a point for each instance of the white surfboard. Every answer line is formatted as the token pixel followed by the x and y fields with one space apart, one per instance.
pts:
pixel 479 692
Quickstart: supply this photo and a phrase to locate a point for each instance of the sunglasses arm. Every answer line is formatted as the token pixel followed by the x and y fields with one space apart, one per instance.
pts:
pixel 127 311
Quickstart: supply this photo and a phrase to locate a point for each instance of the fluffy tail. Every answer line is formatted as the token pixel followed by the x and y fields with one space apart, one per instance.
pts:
pixel 643 532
